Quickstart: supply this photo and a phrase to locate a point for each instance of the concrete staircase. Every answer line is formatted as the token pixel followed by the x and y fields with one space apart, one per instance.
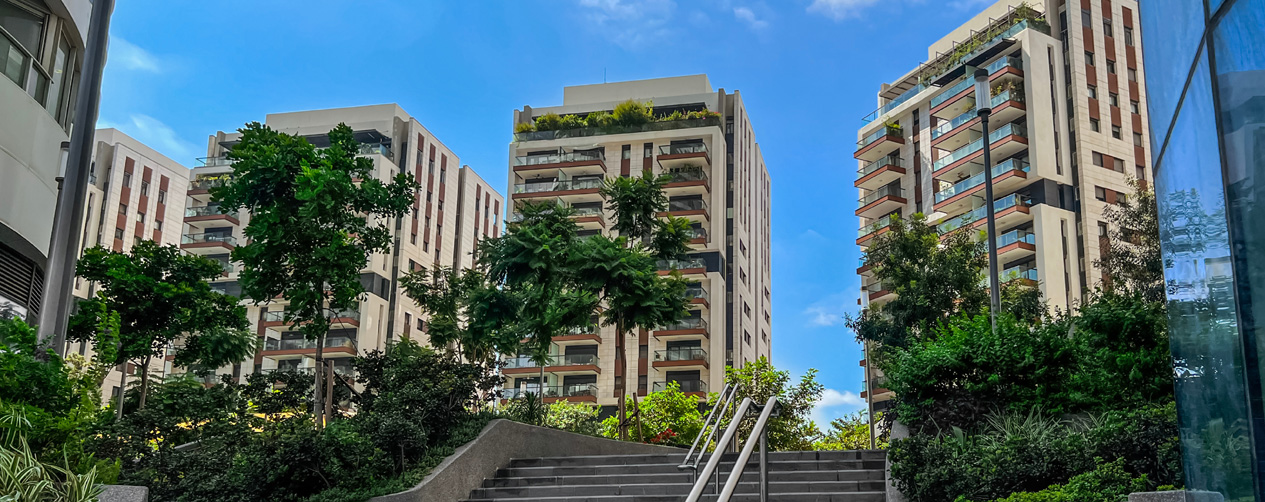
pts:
pixel 796 476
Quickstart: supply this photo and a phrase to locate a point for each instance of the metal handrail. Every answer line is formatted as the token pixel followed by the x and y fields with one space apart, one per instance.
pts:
pixel 722 404
pixel 700 482
pixel 761 428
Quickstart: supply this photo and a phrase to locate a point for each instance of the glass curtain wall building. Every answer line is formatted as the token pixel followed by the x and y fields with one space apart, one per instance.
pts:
pixel 1206 76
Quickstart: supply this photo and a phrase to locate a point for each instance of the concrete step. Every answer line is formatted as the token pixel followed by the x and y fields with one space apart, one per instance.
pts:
pixel 668 468
pixel 873 496
pixel 677 489
pixel 683 477
pixel 678 458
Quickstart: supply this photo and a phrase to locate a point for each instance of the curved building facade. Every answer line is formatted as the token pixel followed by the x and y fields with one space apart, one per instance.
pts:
pixel 41 47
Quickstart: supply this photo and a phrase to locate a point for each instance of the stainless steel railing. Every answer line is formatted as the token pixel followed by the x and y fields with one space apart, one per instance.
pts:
pixel 712 424
pixel 769 409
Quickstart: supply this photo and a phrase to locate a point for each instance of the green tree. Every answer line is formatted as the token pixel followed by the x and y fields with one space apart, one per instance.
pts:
pixel 1132 260
pixel 851 432
pixel 468 316
pixel 579 418
pixel 668 416
pixel 759 380
pixel 315 218
pixel 161 295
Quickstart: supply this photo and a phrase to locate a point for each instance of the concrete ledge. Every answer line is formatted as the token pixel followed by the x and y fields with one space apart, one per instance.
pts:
pixel 500 442
pixel 124 493
pixel 1176 496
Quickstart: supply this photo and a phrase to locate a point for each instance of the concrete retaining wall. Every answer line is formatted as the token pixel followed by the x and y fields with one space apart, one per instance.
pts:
pixel 500 442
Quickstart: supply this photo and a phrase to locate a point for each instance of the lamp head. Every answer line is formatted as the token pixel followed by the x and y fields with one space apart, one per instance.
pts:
pixel 983 102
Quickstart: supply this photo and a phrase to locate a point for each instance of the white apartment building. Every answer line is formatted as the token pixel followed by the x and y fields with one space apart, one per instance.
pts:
pixel 720 183
pixel 452 212
pixel 42 42
pixel 1067 131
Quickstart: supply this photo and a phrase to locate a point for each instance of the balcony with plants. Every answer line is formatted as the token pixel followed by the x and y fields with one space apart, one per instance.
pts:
pixel 629 117
pixel 202 185
pixel 698 236
pixel 298 347
pixel 878 293
pixel 1006 141
pixel 209 215
pixel 580 335
pixel 558 364
pixel 697 294
pixel 881 142
pixel 1008 176
pixel 576 392
pixel 687 266
pixel 693 387
pixel 961 95
pixel 982 45
pixel 574 162
pixel 874 229
pixel 1006 105
pixel 566 189
pixel 884 201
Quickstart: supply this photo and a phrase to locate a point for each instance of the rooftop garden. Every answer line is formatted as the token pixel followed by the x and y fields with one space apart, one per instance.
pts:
pixel 1006 27
pixel 629 116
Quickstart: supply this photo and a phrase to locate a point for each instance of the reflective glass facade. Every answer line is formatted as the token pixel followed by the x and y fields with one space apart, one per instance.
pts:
pixel 1206 79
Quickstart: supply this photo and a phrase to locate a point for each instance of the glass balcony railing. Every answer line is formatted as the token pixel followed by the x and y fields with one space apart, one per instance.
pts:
pixel 208 379
pixel 583 132
pixel 977 145
pixel 331 342
pixel 340 369
pixel 876 165
pixel 274 316
pixel 558 391
pixel 891 105
pixel 977 180
pixel 686 385
pixel 873 227
pixel 207 211
pixel 554 360
pixel 1020 272
pixel 889 190
pixel 207 183
pixel 585 330
pixel 687 205
pixel 685 264
pixel 376 149
pixel 697 233
pixel 215 161
pixel 686 174
pixel 683 149
pixel 686 323
pixel 696 292
pixel 559 158
pixel 558 186
pixel 199 238
pixel 883 132
pixel 681 354
pixel 584 211
pixel 981 212
pixel 969 80
pixel 1017 235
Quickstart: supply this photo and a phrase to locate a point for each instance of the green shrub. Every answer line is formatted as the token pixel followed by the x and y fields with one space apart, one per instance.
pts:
pixel 1108 482
pixel 668 416
pixel 524 127
pixel 571 122
pixel 548 122
pixel 633 113
pixel 599 119
pixel 579 418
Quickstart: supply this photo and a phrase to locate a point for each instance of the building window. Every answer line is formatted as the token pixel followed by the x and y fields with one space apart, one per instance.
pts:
pixel 1093 125
pixel 1086 19
pixel 1137 139
pixel 1102 228
pixel 1128 36
pixel 1089 58
pixel 122 208
pixel 1141 172
pixel 412 239
pixel 647 150
pixel 1115 131
pixel 1117 165
pixel 145 188
pixel 1111 67
pixel 158 225
pixel 1098 159
pixel 118 233
pixel 1093 92
pixel 140 218
pixel 1134 107
pixel 1133 75
pixel 162 196
pixel 1106 27
pixel 127 179
pixel 1100 193
pixel 1114 99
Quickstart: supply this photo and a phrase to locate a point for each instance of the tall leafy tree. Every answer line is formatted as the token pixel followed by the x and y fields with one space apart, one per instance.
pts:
pixel 316 216
pixel 467 314
pixel 792 429
pixel 160 295
pixel 1132 259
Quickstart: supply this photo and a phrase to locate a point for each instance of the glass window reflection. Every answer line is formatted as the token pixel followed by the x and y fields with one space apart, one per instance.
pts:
pixel 1168 55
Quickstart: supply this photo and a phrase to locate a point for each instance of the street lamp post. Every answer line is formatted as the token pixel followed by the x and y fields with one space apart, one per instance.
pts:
pixel 983 107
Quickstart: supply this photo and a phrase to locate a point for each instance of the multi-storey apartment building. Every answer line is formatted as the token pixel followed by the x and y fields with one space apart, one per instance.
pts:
pixel 134 194
pixel 453 211
pixel 1067 132
pixel 42 42
pixel 719 182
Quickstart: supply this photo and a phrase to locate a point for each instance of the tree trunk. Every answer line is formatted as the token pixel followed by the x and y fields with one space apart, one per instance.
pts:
pixel 118 415
pixel 318 405
pixel 621 382
pixel 144 381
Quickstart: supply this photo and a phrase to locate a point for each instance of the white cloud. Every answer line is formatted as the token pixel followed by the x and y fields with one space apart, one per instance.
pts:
pixel 839 9
pixel 630 23
pixel 829 310
pixel 746 15
pixel 130 57
pixel 155 134
pixel 835 404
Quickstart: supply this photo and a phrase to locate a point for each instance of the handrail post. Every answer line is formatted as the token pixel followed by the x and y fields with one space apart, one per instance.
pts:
pixel 713 463
pixel 764 465
pixel 761 424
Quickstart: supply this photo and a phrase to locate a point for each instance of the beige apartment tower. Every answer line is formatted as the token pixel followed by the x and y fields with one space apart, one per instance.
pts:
pixel 451 213
pixel 1068 130
pixel 719 182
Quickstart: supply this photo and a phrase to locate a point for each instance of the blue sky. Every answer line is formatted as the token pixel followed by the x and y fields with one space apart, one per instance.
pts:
pixel 808 71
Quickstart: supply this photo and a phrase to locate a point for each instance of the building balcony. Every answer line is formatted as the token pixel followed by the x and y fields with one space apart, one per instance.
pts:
pixel 695 209
pixel 698 237
pixel 880 143
pixel 1009 211
pixel 584 335
pixel 585 190
pixel 883 201
pixel 687 180
pixel 1023 274
pixel 865 233
pixel 684 155
pixel 1016 245
pixel 698 296
pixel 880 172
pixel 688 328
pixel 1006 141
pixel 691 387
pixel 948 103
pixel 221 160
pixel 878 293
pixel 589 217
pixel 1007 176
pixel 955 133
pixel 194 215
pixel 201 186
pixel 207 379
pixel 578 392
pixel 207 243
pixel 575 364
pixel 584 132
pixel 299 347
pixel 688 266
pixel 577 162
pixel 681 358
pixel 339 318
